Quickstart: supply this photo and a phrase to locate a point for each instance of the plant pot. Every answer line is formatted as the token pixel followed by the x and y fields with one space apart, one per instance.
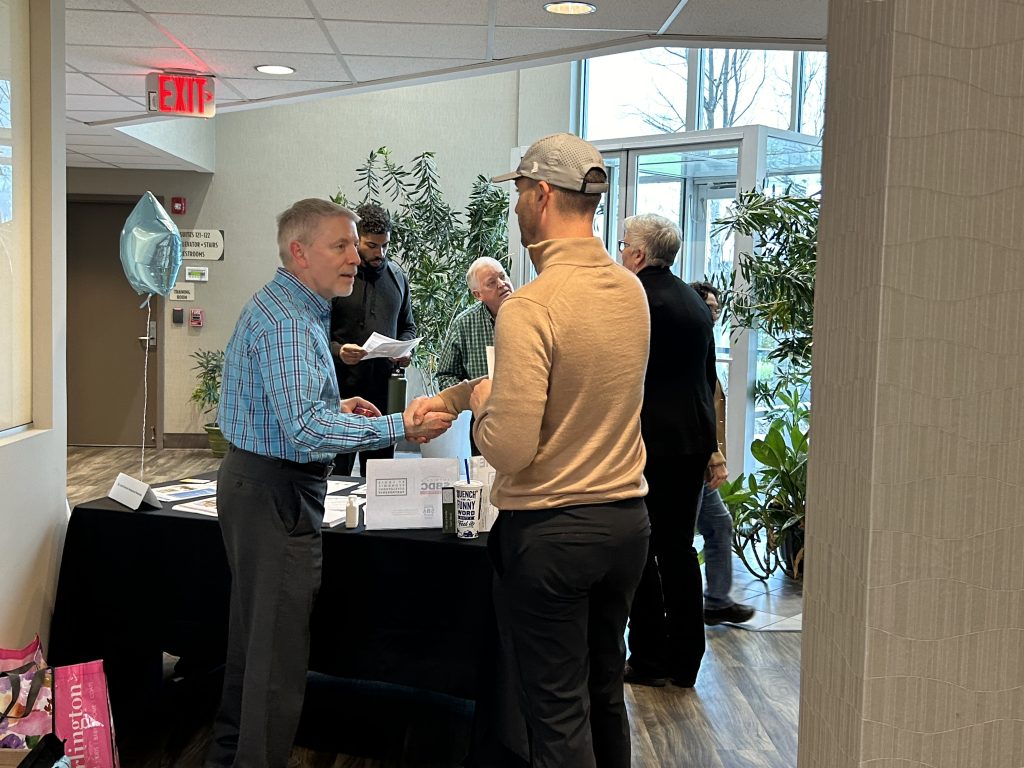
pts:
pixel 218 444
pixel 791 549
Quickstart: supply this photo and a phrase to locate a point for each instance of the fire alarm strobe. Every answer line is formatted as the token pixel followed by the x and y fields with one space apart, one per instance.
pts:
pixel 178 205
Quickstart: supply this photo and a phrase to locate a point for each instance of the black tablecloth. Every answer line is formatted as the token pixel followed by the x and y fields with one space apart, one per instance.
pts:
pixel 404 607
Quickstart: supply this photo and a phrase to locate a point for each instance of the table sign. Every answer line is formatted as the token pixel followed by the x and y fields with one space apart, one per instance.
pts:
pixel 132 493
pixel 406 493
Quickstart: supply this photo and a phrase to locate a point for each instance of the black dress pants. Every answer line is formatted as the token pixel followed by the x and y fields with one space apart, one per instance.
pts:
pixel 563 585
pixel 666 624
pixel 270 517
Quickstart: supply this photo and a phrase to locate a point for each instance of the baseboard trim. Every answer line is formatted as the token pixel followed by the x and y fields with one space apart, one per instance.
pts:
pixel 185 440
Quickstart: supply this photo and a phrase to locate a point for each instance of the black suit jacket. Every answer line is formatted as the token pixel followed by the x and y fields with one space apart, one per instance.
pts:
pixel 678 414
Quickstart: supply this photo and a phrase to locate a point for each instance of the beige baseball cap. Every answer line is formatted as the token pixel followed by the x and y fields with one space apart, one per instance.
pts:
pixel 562 160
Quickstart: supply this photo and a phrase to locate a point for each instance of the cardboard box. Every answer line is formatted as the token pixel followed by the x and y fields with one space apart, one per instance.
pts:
pixel 9 758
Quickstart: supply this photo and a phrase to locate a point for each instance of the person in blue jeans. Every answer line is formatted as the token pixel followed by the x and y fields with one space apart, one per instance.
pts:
pixel 714 522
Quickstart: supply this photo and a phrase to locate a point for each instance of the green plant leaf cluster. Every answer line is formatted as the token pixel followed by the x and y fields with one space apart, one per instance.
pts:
pixel 434 243
pixel 775 292
pixel 772 292
pixel 209 368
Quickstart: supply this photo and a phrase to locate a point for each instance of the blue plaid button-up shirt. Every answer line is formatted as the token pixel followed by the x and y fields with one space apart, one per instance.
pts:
pixel 279 394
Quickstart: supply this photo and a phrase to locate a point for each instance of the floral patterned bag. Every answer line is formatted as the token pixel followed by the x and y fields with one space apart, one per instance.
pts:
pixel 26 697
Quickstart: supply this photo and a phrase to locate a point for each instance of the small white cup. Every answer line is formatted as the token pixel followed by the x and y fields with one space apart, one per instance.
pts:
pixel 468 497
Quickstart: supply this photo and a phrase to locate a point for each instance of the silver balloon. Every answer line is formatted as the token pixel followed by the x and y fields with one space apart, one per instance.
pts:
pixel 150 248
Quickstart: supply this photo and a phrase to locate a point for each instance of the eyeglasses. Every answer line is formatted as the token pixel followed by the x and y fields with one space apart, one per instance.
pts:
pixel 623 245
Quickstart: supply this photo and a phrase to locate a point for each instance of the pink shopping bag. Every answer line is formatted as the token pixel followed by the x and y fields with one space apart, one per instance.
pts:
pixel 81 715
pixel 11 658
pixel 26 692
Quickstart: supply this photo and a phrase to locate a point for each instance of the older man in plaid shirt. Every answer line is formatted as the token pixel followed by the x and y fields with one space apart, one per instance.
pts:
pixel 465 353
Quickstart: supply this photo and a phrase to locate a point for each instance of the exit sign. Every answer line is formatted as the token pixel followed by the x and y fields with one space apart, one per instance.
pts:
pixel 174 93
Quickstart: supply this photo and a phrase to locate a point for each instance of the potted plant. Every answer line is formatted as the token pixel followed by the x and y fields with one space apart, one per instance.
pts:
pixel 209 368
pixel 774 295
pixel 769 505
pixel 434 243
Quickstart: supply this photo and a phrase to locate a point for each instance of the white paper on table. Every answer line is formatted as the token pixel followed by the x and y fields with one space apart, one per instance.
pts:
pixel 481 471
pixel 185 491
pixel 337 486
pixel 207 506
pixel 490 360
pixel 379 345
pixel 406 493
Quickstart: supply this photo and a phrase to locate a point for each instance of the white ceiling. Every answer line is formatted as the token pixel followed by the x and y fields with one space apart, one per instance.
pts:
pixel 339 46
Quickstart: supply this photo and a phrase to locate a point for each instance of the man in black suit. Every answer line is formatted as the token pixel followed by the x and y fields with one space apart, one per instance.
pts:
pixel 666 623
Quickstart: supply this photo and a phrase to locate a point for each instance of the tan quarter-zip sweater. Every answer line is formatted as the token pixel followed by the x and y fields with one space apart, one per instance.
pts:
pixel 562 424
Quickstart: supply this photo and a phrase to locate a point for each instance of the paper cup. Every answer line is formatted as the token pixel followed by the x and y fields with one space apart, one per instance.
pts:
pixel 468 497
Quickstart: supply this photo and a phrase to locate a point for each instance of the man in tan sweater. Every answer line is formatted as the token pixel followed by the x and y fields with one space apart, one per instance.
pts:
pixel 560 422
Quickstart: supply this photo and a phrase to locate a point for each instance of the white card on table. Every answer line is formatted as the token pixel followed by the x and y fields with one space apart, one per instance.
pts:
pixel 131 492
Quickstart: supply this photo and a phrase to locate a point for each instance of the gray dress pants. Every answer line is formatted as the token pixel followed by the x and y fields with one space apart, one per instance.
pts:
pixel 270 517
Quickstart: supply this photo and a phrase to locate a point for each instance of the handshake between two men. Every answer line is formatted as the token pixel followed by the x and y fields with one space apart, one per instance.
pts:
pixel 422 423
pixel 426 417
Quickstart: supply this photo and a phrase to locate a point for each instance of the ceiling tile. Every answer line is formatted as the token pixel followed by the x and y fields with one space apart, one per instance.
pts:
pixel 510 42
pixel 780 19
pixel 408 11
pixel 121 151
pixel 76 83
pixel 238 33
pixel 126 85
pixel 108 27
pixel 104 103
pixel 265 89
pixel 367 68
pixel 92 115
pixel 98 5
pixel 417 40
pixel 308 66
pixel 78 161
pixel 157 163
pixel 274 8
pixel 126 60
pixel 99 137
pixel 647 16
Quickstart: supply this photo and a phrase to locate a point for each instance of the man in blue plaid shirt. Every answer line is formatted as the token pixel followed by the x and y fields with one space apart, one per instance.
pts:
pixel 281 411
pixel 465 351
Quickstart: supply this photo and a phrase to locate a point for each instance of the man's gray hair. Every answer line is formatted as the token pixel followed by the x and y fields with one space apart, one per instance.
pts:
pixel 301 221
pixel 660 237
pixel 476 266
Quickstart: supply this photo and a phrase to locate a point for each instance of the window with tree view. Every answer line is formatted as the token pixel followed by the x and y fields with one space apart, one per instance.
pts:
pixel 670 90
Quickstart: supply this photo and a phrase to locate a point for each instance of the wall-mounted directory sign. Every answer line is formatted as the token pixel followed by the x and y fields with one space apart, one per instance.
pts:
pixel 202 244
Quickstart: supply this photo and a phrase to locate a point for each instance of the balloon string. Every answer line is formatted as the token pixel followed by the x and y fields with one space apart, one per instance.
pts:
pixel 145 391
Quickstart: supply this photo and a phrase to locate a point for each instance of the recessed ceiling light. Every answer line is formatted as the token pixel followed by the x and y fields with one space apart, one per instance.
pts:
pixel 274 69
pixel 570 9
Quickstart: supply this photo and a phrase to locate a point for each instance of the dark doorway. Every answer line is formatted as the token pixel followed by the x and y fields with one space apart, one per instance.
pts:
pixel 106 334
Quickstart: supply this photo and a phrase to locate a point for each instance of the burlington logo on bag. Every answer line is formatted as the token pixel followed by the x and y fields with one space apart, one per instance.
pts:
pixel 81 715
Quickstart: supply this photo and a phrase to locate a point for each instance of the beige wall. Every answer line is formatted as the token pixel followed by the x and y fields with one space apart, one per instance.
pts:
pixel 914 596
pixel 33 464
pixel 268 158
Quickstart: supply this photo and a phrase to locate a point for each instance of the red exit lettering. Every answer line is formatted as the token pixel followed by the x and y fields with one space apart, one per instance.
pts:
pixel 185 95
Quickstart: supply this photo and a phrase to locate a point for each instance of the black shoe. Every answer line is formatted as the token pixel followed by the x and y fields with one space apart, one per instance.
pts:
pixel 736 613
pixel 631 676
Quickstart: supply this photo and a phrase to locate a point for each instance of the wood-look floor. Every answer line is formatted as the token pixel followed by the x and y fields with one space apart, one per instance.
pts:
pixel 742 712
